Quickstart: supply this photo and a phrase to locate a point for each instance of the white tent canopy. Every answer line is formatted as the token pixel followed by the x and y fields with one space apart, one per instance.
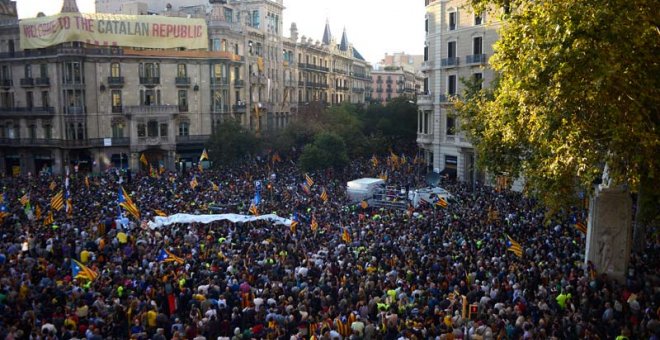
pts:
pixel 234 218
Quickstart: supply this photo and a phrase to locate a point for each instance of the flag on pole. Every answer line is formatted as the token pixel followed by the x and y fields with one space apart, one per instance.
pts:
pixel 314 225
pixel 37 212
pixel 57 201
pixel 374 161
pixel 293 227
pixel 127 203
pixel 309 180
pixel 345 236
pixel 50 219
pixel 143 160
pixel 166 256
pixel 324 196
pixel 25 199
pixel 204 156
pixel 52 186
pixel 253 209
pixel 514 246
pixel 581 227
pixel 194 183
pixel 81 271
pixel 215 187
pixel 305 188
pixel 69 204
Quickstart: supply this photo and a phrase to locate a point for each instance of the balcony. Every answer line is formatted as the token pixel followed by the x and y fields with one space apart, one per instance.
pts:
pixel 379 90
pixel 182 81
pixel 310 84
pixel 239 83
pixel 379 81
pixel 322 85
pixel 27 111
pixel 198 139
pixel 74 110
pixel 149 81
pixel 340 71
pixel 260 80
pixel 42 81
pixel 27 82
pixel 425 99
pixel 115 82
pixel 151 110
pixel 476 59
pixel 389 81
pixel 424 138
pixel 183 108
pixel 153 141
pixel 290 83
pixel 117 109
pixel 6 82
pixel 29 142
pixel 358 90
pixel 427 66
pixel 449 62
pixel 219 81
pixel 239 108
pixel 389 90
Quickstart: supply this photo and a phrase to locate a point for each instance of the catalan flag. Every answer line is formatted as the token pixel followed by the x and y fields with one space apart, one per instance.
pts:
pixel 305 188
pixel 87 181
pixel 383 176
pixel 314 225
pixel 253 209
pixel 194 183
pixel 293 227
pixel 127 203
pixel 25 199
pixel 69 204
pixel 204 156
pixel 309 180
pixel 37 212
pixel 215 187
pixel 374 161
pixel 403 159
pixel 143 160
pixel 276 158
pixel 160 213
pixel 394 160
pixel 57 202
pixel 166 256
pixel 52 186
pixel 324 196
pixel 514 246
pixel 579 225
pixel 345 236
pixel 81 271
pixel 441 202
pixel 50 219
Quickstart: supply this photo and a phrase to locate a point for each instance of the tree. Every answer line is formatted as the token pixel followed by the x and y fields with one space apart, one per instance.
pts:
pixel 327 151
pixel 231 142
pixel 577 93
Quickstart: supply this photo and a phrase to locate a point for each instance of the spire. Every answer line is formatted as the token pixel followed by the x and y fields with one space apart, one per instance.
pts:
pixel 343 46
pixel 326 34
pixel 69 6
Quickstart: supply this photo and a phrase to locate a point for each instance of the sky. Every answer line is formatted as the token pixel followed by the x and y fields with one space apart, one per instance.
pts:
pixel 374 27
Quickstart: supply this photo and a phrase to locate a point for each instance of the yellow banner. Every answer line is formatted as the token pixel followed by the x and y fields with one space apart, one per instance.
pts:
pixel 147 31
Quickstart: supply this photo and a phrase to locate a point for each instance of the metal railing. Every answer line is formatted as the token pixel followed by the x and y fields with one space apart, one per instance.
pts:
pixel 27 81
pixel 475 59
pixel 449 62
pixel 149 80
pixel 42 81
pixel 115 81
pixel 182 81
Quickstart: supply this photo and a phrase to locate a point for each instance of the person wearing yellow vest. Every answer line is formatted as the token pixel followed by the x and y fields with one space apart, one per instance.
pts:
pixel 84 256
pixel 562 298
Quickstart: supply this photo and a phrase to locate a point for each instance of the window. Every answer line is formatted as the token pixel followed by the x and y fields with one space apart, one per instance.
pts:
pixel 72 72
pixel 478 19
pixel 229 15
pixel 44 99
pixel 477 45
pixel 28 71
pixel 255 19
pixel 223 45
pixel 451 85
pixel 163 129
pixel 451 49
pixel 150 97
pixel 426 25
pixel 7 100
pixel 81 132
pixel 141 130
pixel 149 70
pixel 451 126
pixel 43 70
pixel 426 52
pixel 478 79
pixel 48 131
pixel 215 45
pixel 452 21
pixel 32 131
pixel 116 100
pixel 118 129
pixel 183 128
pixel 6 72
pixel 29 99
pixel 181 70
pixel 218 73
pixel 183 100
pixel 152 128
pixel 115 70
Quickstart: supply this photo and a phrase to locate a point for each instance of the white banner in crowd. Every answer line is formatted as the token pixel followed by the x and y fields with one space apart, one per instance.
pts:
pixel 234 218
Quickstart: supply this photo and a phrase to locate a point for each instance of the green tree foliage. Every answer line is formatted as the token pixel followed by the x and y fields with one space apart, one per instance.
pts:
pixel 396 120
pixel 327 151
pixel 231 142
pixel 578 91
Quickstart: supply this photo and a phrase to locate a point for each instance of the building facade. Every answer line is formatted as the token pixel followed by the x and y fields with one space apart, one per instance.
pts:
pixel 393 81
pixel 410 62
pixel 457 47
pixel 100 107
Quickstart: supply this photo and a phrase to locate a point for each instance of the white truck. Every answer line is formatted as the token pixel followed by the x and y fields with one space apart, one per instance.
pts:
pixel 430 195
pixel 363 189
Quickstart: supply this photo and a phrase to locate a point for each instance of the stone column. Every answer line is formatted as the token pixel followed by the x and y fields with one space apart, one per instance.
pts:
pixel 609 235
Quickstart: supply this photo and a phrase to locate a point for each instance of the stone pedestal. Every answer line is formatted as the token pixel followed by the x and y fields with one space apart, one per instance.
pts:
pixel 609 235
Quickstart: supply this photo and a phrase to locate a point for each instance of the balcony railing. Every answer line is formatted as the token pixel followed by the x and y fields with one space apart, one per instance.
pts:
pixel 26 111
pixel 239 82
pixel 449 62
pixel 182 81
pixel 425 138
pixel 115 81
pixel 379 90
pixel 219 81
pixel 151 109
pixel 149 81
pixel 475 59
pixel 427 65
pixel 42 81
pixel 27 82
pixel 156 140
pixel 74 110
pixel 239 108
pixel 201 139
pixel 6 82
pixel 117 109
pixel 425 99
pixel 183 108
pixel 301 83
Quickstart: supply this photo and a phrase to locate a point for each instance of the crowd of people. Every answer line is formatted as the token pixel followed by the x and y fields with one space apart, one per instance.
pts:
pixel 346 271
